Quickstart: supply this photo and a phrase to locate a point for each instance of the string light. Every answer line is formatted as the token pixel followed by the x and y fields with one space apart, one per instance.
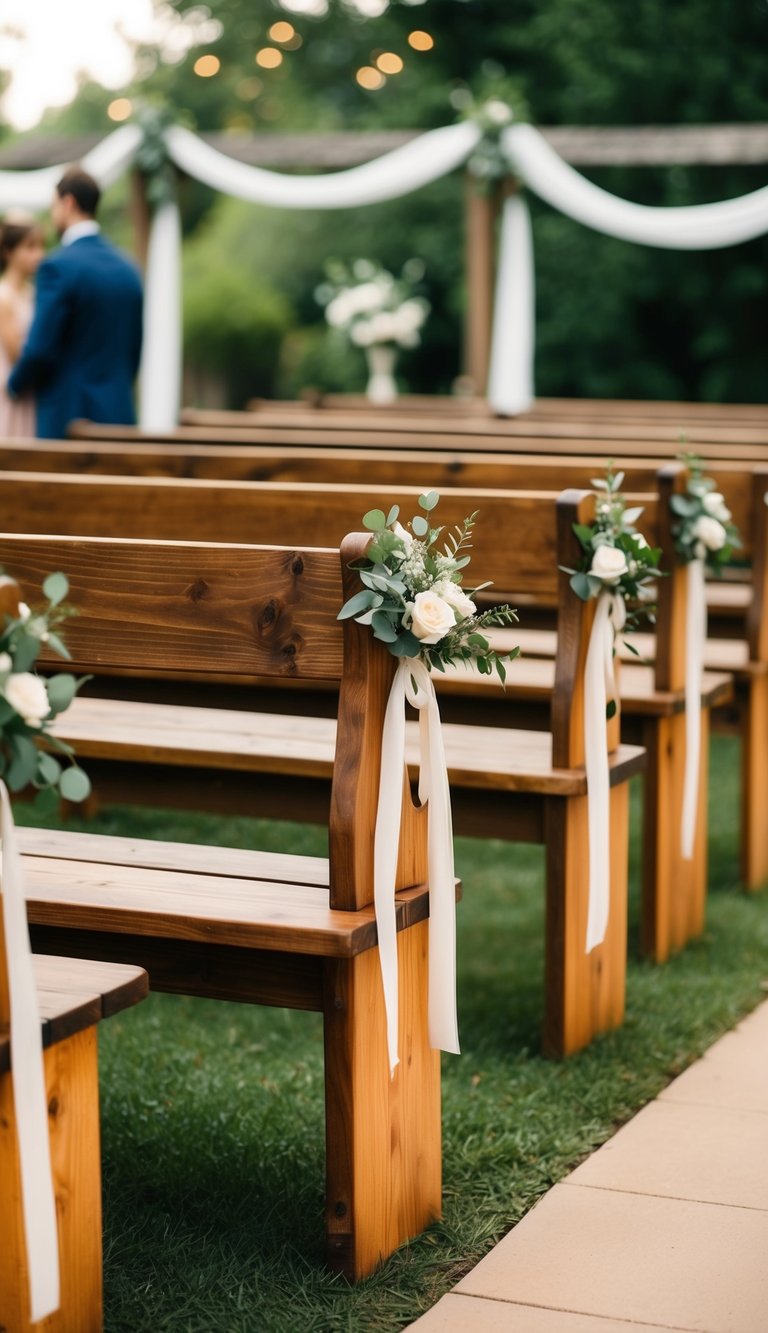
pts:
pixel 370 78
pixel 420 41
pixel 269 57
pixel 282 31
pixel 389 63
pixel 207 66
pixel 120 109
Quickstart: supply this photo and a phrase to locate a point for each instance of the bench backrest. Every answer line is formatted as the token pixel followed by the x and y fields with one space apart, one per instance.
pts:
pixel 746 445
pixel 221 610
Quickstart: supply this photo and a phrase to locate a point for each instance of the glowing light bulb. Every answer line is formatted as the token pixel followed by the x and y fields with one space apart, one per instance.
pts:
pixel 269 57
pixel 389 63
pixel 420 41
pixel 120 108
pixel 207 66
pixel 369 78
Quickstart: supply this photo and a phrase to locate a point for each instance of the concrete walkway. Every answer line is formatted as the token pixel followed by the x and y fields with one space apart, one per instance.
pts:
pixel 665 1226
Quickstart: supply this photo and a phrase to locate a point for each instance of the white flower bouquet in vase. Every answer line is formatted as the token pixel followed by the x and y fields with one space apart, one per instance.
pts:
pixel 378 313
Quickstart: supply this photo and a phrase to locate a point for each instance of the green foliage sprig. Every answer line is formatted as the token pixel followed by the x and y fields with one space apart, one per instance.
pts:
pixel 152 157
pixel 704 529
pixel 412 596
pixel 29 703
pixel 617 557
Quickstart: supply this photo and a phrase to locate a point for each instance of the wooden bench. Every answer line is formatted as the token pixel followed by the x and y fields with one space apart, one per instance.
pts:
pixel 653 700
pixel 534 786
pixel 74 996
pixel 273 929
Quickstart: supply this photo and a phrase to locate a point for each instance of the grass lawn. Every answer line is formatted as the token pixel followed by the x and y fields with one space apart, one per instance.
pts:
pixel 212 1113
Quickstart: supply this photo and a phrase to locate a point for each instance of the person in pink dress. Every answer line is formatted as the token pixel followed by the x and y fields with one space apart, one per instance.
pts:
pixel 21 250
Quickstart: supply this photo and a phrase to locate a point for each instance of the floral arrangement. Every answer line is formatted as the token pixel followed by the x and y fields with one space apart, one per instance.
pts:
pixel 704 530
pixel 28 703
pixel 372 306
pixel 412 595
pixel 617 557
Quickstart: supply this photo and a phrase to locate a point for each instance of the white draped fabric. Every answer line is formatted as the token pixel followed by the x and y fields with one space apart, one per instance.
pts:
pixel 27 1072
pixel 433 790
pixel 160 374
pixel 696 637
pixel 700 227
pixel 510 379
pixel 599 688
pixel 107 162
pixel 417 163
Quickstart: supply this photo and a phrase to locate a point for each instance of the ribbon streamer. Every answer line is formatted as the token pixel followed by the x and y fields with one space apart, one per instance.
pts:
pixel 38 1198
pixel 413 682
pixel 599 687
pixel 695 635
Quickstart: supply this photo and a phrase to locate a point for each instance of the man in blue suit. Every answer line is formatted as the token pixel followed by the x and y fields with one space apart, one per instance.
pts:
pixel 82 353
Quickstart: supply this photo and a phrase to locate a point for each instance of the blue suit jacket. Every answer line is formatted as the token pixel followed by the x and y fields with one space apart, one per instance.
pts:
pixel 82 353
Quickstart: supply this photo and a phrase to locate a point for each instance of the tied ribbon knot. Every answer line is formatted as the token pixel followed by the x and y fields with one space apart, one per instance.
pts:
pixel 413 683
pixel 695 635
pixel 599 687
pixel 38 1199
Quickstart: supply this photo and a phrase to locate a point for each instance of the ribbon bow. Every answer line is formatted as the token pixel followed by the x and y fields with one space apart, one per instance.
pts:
pixel 413 682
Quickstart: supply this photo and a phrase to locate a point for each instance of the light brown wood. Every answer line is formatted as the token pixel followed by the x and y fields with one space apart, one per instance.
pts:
pixel 481 210
pixel 383 1151
pixel 73 1108
pixel 588 997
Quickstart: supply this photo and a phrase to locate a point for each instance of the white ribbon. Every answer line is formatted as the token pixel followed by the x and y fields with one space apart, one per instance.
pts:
pixel 107 162
pixel 27 1072
pixel 413 682
pixel 695 639
pixel 599 687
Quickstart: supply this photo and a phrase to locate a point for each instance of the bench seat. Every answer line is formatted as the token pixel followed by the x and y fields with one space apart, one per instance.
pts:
pixel 508 760
pixel 74 994
pixel 249 900
pixel 720 655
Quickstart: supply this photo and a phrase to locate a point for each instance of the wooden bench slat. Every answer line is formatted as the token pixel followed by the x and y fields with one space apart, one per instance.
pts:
pixel 219 909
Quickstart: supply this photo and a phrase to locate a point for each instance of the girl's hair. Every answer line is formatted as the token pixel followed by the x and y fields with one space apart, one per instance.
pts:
pixel 14 229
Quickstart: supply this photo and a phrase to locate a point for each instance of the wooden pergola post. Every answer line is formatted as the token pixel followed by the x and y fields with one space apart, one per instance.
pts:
pixel 141 216
pixel 480 240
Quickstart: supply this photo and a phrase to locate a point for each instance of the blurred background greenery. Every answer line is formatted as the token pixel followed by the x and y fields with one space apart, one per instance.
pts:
pixel 613 319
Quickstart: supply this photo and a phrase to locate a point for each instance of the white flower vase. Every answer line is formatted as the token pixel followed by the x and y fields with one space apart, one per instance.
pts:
pixel 381 379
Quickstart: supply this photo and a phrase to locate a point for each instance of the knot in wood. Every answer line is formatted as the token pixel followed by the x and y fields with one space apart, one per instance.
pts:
pixel 297 565
pixel 267 616
pixel 197 590
pixel 53 1107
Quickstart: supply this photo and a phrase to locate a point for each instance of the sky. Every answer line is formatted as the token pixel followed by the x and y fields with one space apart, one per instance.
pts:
pixel 45 44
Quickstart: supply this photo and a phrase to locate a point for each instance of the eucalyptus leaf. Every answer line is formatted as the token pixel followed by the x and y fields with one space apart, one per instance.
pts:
pixel 48 769
pixel 581 586
pixel 61 691
pixel 392 516
pixel 57 646
pixel 429 500
pixel 56 587
pixel 419 525
pixel 25 655
pixel 374 520
pixel 405 645
pixel 74 785
pixel 360 602
pixel 23 766
pixel 383 628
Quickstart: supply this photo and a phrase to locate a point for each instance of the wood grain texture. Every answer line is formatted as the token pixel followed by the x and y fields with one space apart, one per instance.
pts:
pixel 383 1134
pixel 757 528
pixel 584 992
pixel 754 781
pixel 73 1111
pixel 191 606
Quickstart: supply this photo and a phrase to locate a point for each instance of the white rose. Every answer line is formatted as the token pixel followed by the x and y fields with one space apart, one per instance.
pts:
pixel 24 611
pixel 5 662
pixel 709 532
pixel 431 617
pixel 456 597
pixel 608 563
pixel 27 695
pixel 714 503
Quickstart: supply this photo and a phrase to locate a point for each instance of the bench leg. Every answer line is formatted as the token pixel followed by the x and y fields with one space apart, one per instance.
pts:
pixel 383 1135
pixel 584 993
pixel 754 782
pixel 71 1073
pixel 674 890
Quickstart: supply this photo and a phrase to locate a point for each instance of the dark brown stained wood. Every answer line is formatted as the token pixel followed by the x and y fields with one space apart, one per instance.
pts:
pixel 611 438
pixel 191 606
pixel 73 995
pixel 672 590
pixel 755 534
pixel 178 510
pixel 587 409
pixel 213 971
